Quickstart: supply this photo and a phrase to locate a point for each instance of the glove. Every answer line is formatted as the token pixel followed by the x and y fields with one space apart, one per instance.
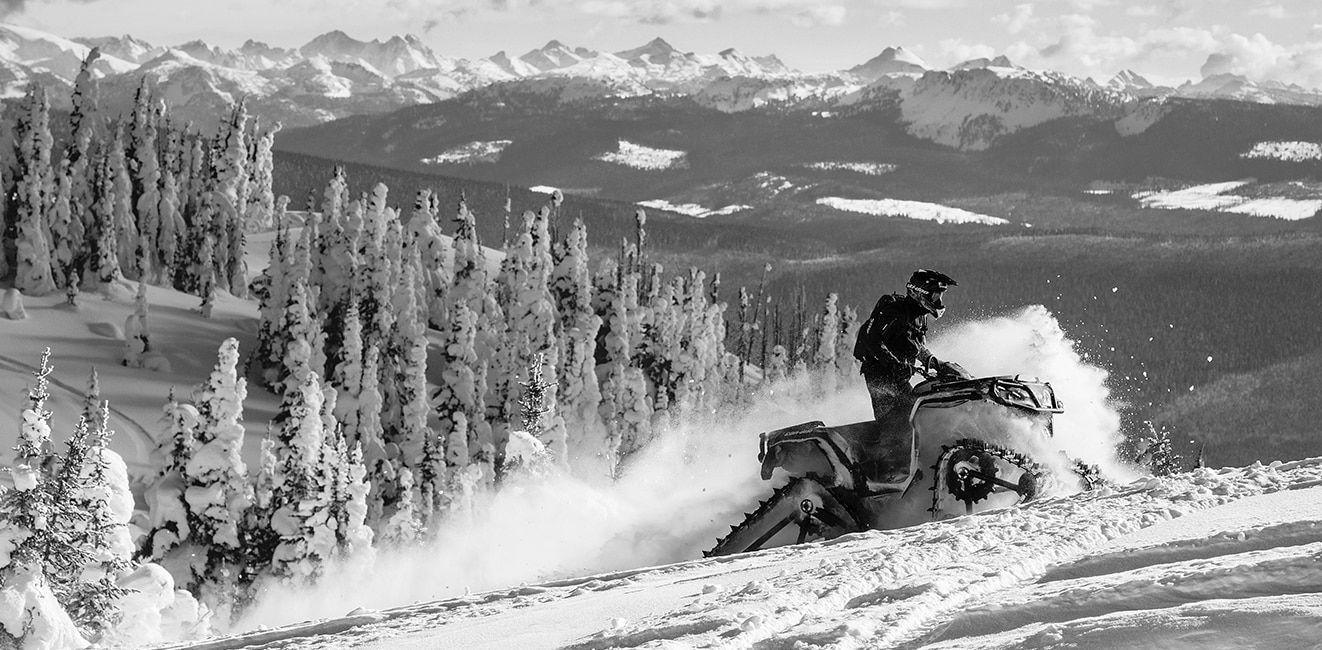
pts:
pixel 950 369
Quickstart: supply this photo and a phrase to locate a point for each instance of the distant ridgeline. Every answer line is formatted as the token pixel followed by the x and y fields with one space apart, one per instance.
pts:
pixel 418 370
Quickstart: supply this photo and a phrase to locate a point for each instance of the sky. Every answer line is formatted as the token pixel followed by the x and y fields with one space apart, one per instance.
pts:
pixel 1168 41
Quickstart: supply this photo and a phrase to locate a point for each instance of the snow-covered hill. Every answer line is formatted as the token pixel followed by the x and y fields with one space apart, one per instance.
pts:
pixel 1210 559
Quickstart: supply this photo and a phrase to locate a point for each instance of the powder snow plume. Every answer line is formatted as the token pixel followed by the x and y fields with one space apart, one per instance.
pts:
pixel 684 490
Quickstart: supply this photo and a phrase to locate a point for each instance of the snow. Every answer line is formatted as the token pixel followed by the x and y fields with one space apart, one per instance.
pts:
pixel 910 209
pixel 1213 196
pixel 471 153
pixel 869 168
pixel 643 157
pixel 693 209
pixel 1292 151
pixel 1208 559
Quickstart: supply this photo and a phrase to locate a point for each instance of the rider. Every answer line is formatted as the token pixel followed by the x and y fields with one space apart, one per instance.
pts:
pixel 892 343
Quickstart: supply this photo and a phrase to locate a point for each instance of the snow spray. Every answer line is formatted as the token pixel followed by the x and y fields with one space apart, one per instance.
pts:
pixel 684 490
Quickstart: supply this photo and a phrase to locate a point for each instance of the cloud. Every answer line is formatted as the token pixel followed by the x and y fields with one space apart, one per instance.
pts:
pixel 654 12
pixel 1018 20
pixel 923 4
pixel 1273 11
pixel 10 7
pixel 1259 58
pixel 958 50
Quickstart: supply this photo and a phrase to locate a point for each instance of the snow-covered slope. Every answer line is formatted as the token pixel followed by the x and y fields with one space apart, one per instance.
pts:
pixel 971 109
pixel 1210 559
pixel 892 60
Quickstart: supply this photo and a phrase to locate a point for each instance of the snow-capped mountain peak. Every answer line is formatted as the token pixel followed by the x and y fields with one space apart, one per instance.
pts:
pixel 1129 80
pixel 1001 61
pixel 555 55
pixel 124 47
pixel 891 60
pixel 45 52
pixel 655 52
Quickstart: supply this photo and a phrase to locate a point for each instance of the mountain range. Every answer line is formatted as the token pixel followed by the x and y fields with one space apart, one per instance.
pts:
pixel 334 75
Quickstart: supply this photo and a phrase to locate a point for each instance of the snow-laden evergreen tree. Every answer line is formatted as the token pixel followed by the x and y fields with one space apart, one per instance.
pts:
pixel 624 405
pixel 165 492
pixel 356 533
pixel 532 318
pixel 404 528
pixel 92 396
pixel 375 292
pixel 435 252
pixel 410 342
pixel 463 388
pixel 125 223
pixel 382 461
pixel 231 200
pixel 580 393
pixel 334 252
pixel 103 497
pixel 137 338
pixel 145 169
pixel 259 538
pixel 66 230
pixel 172 229
pixel 261 199
pixel 40 551
pixel 218 494
pixel 347 369
pixel 302 516
pixel 83 120
pixel 296 324
pixel 27 506
pixel 824 348
pixel 34 191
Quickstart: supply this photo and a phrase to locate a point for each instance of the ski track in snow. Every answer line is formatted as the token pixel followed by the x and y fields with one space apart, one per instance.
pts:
pixel 1227 558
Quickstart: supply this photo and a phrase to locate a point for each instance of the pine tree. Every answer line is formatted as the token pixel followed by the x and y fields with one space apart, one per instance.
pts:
pixel 435 254
pixel 27 506
pixel 66 231
pixel 231 200
pixel 103 266
pixel 125 227
pixel 137 338
pixel 301 497
pixel 82 119
pixel 145 171
pixel 165 493
pixel 217 493
pixel 34 190
pixel 105 501
pixel 580 393
pixel 92 398
pixel 404 528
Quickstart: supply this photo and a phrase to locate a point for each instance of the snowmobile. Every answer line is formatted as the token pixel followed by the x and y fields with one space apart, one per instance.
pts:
pixel 986 441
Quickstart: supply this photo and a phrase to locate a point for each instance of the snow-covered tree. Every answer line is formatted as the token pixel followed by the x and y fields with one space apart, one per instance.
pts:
pixel 404 528
pixel 34 191
pixel 302 514
pixel 261 199
pixel 580 393
pixel 137 338
pixel 124 222
pixel 217 493
pixel 165 493
pixel 104 498
pixel 83 121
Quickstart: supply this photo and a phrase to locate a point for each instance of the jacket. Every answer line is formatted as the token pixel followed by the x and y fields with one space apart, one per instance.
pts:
pixel 893 338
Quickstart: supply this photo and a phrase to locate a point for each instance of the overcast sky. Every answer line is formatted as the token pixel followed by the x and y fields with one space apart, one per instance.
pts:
pixel 1167 40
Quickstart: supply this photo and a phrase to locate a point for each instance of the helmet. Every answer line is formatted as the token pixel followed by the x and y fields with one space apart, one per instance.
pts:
pixel 926 287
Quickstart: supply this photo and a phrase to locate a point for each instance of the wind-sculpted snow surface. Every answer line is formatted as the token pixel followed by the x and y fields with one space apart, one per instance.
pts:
pixel 1210 559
